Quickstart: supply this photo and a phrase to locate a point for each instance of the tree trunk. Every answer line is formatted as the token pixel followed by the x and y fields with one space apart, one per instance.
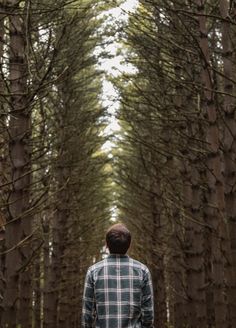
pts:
pixel 18 227
pixel 215 194
pixel 176 265
pixel 51 278
pixel 229 142
pixel 194 246
pixel 2 166
pixel 37 300
pixel 157 255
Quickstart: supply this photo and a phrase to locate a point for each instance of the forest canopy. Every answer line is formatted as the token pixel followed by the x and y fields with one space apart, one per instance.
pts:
pixel 169 174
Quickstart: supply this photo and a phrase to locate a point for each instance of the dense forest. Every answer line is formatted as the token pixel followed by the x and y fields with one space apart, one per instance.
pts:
pixel 170 175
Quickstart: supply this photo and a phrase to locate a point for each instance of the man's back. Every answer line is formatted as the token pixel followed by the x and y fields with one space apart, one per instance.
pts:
pixel 118 294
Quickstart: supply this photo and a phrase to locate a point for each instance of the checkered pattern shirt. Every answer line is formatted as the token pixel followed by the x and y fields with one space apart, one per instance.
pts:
pixel 118 294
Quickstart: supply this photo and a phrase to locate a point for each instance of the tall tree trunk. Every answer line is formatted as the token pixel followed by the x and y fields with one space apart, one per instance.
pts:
pixel 194 251
pixel 50 297
pixel 2 263
pixel 63 211
pixel 229 143
pixel 215 194
pixel 2 163
pixel 54 296
pixel 37 293
pixel 176 255
pixel 49 294
pixel 18 227
pixel 194 228
pixel 157 255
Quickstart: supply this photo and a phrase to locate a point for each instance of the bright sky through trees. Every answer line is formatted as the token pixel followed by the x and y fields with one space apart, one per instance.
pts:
pixel 114 66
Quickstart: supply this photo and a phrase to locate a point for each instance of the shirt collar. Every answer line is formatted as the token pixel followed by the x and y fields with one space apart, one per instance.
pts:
pixel 116 256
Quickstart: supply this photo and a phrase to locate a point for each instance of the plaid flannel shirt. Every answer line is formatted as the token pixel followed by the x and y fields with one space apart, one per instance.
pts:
pixel 118 294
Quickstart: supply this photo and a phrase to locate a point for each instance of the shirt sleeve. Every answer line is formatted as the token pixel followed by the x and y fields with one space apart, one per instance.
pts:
pixel 147 301
pixel 88 309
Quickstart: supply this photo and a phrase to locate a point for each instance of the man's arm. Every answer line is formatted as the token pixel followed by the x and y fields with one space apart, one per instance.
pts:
pixel 88 310
pixel 147 301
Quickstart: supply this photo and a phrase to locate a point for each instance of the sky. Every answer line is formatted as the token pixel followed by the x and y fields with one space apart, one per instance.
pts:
pixel 114 67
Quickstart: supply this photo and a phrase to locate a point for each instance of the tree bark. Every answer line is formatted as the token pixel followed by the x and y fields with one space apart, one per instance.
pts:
pixel 2 164
pixel 18 226
pixel 50 297
pixel 215 193
pixel 37 288
pixel 194 251
pixel 157 254
pixel 229 142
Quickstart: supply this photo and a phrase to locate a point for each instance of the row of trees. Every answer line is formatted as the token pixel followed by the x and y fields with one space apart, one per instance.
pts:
pixel 52 170
pixel 175 160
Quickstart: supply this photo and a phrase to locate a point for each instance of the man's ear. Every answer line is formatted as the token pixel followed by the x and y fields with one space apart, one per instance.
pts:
pixel 107 249
pixel 130 246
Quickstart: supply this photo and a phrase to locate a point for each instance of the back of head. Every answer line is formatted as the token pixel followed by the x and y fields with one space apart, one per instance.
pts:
pixel 118 239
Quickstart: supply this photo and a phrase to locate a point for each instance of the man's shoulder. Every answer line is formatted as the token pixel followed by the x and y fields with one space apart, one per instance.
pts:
pixel 97 265
pixel 129 260
pixel 139 265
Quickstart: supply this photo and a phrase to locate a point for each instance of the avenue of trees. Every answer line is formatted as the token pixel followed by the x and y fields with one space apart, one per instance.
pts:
pixel 175 168
pixel 171 176
pixel 53 177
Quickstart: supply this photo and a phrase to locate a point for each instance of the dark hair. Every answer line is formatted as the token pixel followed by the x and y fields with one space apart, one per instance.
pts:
pixel 118 239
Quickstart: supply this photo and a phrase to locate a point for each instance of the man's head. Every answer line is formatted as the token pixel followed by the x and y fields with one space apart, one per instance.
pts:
pixel 118 239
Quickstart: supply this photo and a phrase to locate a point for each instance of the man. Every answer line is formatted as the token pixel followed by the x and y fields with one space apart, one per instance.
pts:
pixel 118 290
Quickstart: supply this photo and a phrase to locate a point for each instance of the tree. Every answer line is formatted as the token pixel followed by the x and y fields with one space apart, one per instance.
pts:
pixel 172 107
